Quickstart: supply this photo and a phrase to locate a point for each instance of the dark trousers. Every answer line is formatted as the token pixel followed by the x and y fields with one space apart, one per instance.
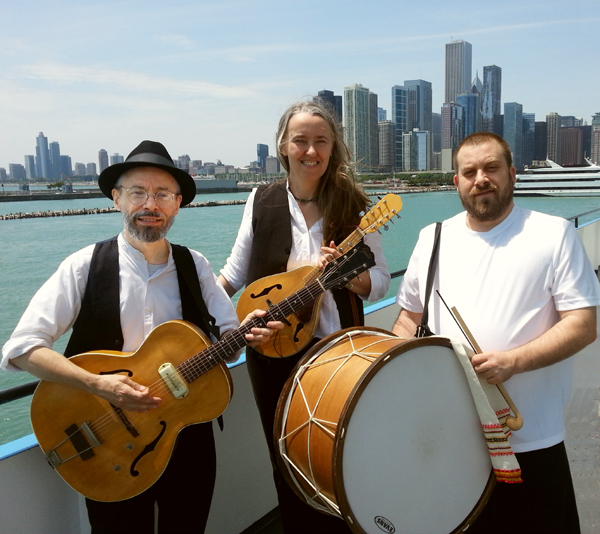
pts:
pixel 268 376
pixel 183 493
pixel 544 503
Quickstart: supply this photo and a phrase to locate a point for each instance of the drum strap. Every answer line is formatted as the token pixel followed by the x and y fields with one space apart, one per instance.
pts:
pixel 423 329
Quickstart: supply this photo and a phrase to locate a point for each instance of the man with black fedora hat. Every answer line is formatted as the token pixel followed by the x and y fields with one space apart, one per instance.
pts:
pixel 113 294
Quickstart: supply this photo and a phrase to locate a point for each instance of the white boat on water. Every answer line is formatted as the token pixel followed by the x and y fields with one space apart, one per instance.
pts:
pixel 556 180
pixel 34 499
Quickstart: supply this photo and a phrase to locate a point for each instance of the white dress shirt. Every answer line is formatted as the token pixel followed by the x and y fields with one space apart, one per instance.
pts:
pixel 306 250
pixel 146 300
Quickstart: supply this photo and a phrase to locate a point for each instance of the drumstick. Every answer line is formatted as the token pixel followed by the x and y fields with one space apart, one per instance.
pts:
pixel 514 423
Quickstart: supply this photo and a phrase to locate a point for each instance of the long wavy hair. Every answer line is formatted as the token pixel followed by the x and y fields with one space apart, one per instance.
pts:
pixel 340 198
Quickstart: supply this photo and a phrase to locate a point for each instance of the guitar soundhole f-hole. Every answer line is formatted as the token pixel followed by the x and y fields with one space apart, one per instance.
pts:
pixel 148 449
pixel 265 291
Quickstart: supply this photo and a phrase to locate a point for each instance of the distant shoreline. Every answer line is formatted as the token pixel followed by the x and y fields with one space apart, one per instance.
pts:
pixel 19 196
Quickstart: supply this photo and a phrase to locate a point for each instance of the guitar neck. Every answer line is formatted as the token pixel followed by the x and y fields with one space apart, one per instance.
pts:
pixel 217 353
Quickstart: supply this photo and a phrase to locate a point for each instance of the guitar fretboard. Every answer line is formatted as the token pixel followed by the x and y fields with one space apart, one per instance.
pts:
pixel 213 355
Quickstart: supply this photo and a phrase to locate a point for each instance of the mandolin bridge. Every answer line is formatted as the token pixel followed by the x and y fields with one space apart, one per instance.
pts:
pixel 173 380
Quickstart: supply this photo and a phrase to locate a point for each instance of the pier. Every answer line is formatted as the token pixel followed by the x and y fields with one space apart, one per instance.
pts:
pixel 95 211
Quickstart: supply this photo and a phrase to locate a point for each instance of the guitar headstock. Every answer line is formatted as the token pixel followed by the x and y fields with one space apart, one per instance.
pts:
pixel 382 213
pixel 343 269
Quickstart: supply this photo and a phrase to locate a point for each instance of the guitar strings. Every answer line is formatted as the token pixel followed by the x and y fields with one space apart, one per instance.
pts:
pixel 214 354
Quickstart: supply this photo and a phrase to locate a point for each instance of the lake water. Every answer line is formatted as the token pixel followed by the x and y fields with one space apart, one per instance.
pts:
pixel 33 248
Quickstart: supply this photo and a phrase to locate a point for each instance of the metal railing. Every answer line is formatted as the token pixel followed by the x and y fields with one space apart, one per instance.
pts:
pixel 576 218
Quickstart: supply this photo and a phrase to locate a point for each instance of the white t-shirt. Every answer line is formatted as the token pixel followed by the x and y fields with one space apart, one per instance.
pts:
pixel 146 301
pixel 306 250
pixel 507 284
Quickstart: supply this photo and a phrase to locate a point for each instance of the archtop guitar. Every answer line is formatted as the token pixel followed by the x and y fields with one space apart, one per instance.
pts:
pixel 109 454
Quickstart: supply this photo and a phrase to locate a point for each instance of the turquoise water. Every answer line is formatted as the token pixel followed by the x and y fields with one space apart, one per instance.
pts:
pixel 33 248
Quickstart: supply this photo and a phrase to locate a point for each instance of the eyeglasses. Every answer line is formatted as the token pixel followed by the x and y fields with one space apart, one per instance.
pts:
pixel 138 196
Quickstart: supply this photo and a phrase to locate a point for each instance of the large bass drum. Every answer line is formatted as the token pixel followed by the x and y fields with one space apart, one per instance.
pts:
pixel 383 432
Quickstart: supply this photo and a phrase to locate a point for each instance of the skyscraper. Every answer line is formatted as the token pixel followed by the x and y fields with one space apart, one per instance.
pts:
pixel 30 167
pixel 436 127
pixel 491 99
pixel 387 146
pixel 373 132
pixel 357 132
pixel 596 139
pixel 553 136
pixel 42 161
pixel 471 122
pixel 451 133
pixel 334 102
pixel 102 159
pixel 90 169
pixel 513 131
pixel 116 158
pixel 571 146
pixel 262 151
pixel 528 138
pixel 540 151
pixel 54 149
pixel 400 119
pixel 17 171
pixel 66 167
pixel 418 104
pixel 458 69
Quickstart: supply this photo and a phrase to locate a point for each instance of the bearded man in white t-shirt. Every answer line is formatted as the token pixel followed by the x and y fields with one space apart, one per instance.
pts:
pixel 523 284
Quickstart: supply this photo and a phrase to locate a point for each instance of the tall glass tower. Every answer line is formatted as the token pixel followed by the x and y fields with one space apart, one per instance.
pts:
pixel 400 119
pixel 357 131
pixel 42 162
pixel 458 69
pixel 513 131
pixel 491 111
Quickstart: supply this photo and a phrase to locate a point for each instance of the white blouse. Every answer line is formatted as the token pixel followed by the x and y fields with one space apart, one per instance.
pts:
pixel 306 250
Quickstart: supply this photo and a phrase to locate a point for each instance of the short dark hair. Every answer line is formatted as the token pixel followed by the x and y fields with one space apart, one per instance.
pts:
pixel 481 138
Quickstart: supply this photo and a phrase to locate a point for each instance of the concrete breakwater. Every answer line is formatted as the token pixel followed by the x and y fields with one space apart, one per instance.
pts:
pixel 94 211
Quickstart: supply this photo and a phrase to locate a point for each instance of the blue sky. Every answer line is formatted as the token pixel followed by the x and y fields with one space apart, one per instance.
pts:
pixel 211 78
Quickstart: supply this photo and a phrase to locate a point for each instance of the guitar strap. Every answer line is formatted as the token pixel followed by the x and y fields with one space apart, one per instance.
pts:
pixel 423 329
pixel 187 276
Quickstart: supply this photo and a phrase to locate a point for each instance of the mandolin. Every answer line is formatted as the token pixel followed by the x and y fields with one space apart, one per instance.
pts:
pixel 109 454
pixel 300 327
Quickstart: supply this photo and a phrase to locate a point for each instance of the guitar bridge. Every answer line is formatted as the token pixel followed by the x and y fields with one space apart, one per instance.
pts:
pixel 173 380
pixel 82 439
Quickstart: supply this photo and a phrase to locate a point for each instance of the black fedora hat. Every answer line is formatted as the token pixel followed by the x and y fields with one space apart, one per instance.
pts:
pixel 148 154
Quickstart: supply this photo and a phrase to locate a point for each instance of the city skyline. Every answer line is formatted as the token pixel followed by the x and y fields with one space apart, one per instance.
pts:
pixel 200 78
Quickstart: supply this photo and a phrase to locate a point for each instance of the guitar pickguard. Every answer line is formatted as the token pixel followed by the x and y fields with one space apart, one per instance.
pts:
pixel 147 449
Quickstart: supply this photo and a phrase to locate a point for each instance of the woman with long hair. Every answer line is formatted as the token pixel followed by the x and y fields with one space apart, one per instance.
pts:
pixel 293 223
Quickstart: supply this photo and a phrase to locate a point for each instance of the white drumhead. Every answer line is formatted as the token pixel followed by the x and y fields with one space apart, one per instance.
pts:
pixel 414 459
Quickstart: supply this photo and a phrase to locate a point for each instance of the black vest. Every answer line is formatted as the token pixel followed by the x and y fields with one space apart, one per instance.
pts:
pixel 98 325
pixel 272 244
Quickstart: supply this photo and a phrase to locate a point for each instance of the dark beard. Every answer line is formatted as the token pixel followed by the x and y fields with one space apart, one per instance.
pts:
pixel 489 208
pixel 146 234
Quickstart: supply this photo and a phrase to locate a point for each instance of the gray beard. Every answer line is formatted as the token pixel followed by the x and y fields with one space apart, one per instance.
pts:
pixel 146 234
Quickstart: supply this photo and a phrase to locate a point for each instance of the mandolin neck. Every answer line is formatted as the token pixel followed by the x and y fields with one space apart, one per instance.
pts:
pixel 343 247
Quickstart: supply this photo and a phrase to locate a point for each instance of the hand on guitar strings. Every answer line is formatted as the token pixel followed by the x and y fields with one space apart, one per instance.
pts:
pixel 361 285
pixel 258 336
pixel 330 253
pixel 125 393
